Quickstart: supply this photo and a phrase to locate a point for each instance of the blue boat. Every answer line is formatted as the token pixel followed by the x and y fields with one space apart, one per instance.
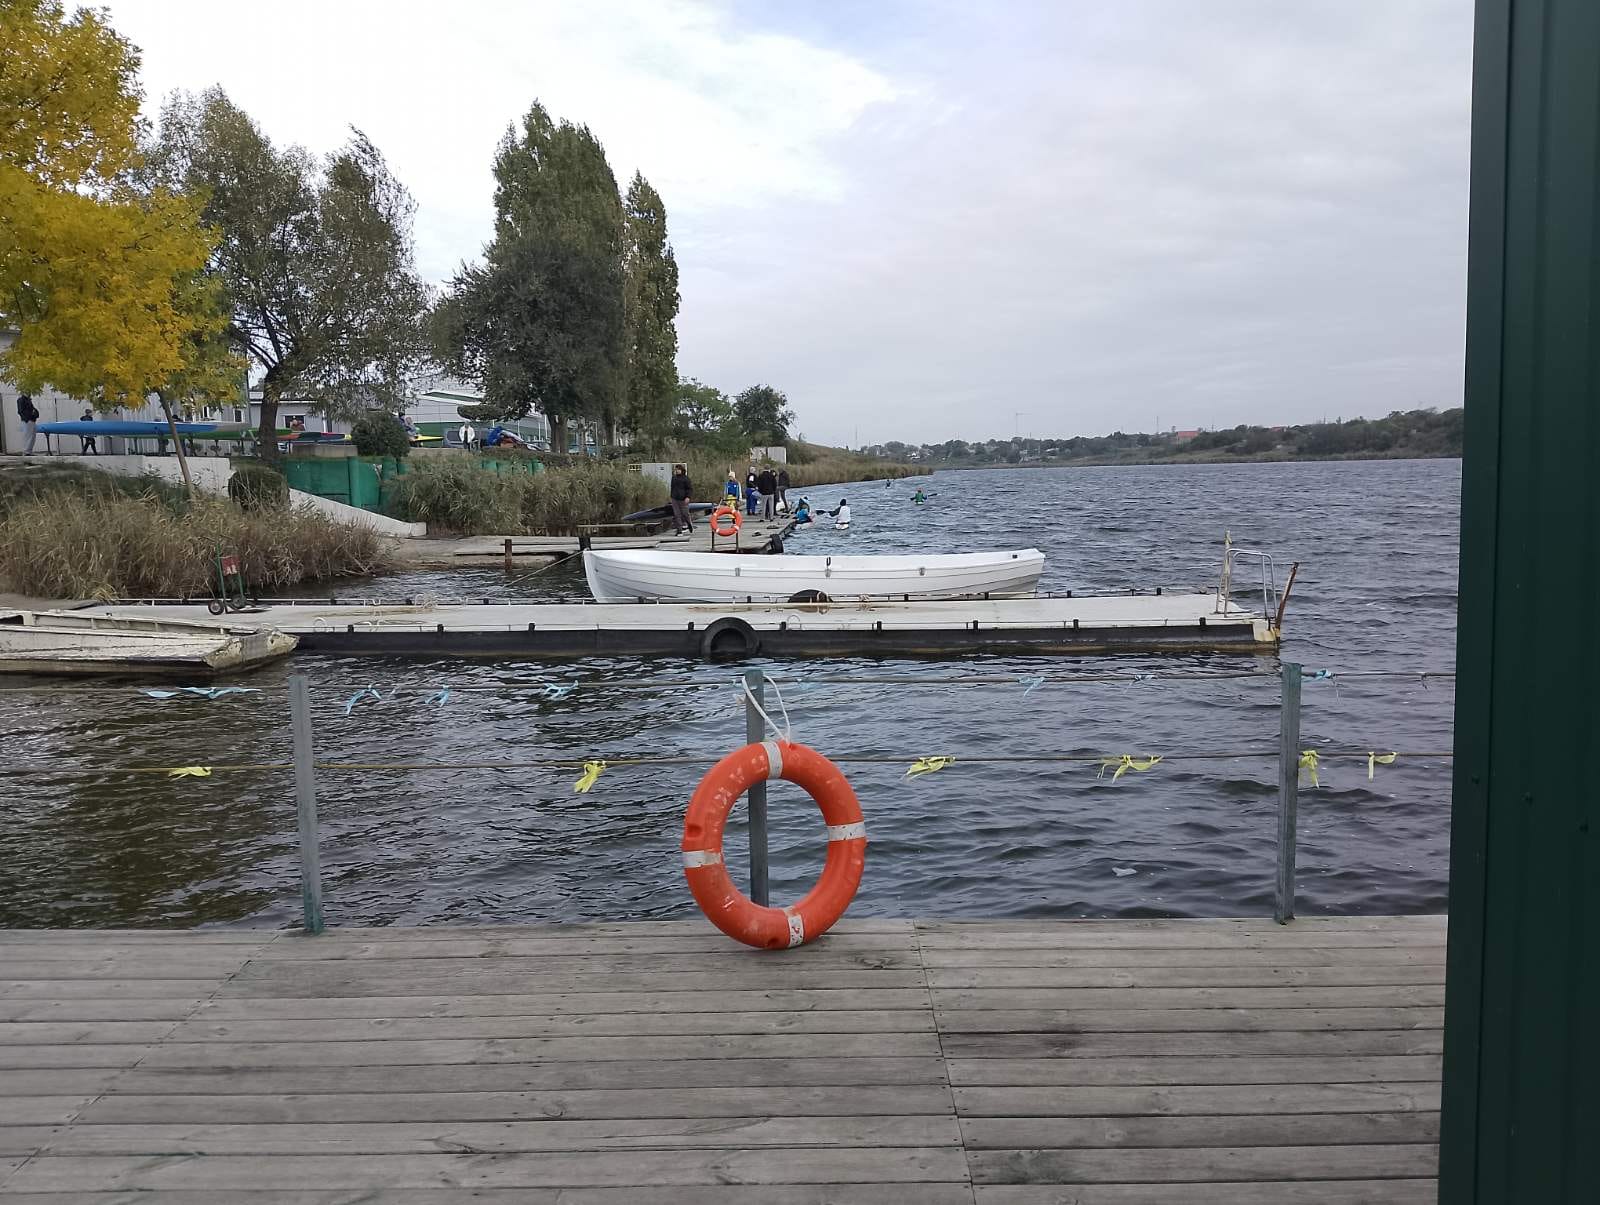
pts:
pixel 125 427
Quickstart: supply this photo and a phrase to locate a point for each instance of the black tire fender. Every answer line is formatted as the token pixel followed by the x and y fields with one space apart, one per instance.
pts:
pixel 729 639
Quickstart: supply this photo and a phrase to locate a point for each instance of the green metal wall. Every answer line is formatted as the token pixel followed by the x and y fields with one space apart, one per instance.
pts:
pixel 1522 1060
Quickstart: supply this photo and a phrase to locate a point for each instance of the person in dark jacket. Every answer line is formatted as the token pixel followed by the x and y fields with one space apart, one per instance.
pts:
pixel 90 448
pixel 752 492
pixel 682 488
pixel 29 414
pixel 767 483
pixel 783 486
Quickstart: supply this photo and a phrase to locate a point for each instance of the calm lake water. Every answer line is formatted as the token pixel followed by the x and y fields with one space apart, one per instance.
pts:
pixel 474 843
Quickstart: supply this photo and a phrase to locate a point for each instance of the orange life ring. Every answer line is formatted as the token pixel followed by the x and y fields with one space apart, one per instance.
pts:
pixel 738 521
pixel 728 908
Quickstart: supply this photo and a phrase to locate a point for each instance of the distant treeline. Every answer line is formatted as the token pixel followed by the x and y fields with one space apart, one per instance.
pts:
pixel 1402 435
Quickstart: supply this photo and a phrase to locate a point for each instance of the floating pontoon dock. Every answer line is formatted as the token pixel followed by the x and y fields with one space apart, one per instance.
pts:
pixel 892 1062
pixel 1119 623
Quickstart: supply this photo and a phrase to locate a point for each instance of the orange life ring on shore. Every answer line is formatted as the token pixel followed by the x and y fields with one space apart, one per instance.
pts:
pixel 728 908
pixel 738 521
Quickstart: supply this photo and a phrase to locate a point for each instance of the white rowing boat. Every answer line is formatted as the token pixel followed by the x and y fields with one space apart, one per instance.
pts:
pixel 77 642
pixel 626 576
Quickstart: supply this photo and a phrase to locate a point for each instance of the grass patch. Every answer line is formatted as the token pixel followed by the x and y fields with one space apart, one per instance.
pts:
pixel 87 535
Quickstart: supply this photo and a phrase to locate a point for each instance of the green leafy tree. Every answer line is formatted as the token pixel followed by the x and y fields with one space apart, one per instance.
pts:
pixel 764 414
pixel 316 256
pixel 540 321
pixel 650 309
pixel 379 433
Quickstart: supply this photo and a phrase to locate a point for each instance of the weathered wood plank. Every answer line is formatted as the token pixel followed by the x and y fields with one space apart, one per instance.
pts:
pixel 1306 927
pixel 1278 1192
pixel 63 938
pixel 1058 1101
pixel 738 960
pixel 102 989
pixel 40 1110
pixel 599 979
pixel 436 1136
pixel 1189 1164
pixel 563 1003
pixel 60 1033
pixel 83 1055
pixel 57 1082
pixel 333 947
pixel 1257 975
pixel 1227 1044
pixel 703 1194
pixel 629 1024
pixel 522 1077
pixel 1306 1129
pixel 641 1168
pixel 1179 956
pixel 1053 998
pixel 1157 1020
pixel 573 1105
pixel 1175 1069
pixel 525 1050
pixel 691 926
pixel 1067 936
pixel 172 1008
pixel 131 966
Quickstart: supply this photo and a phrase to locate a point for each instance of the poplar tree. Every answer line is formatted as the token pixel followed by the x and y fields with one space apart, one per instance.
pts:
pixel 540 321
pixel 650 301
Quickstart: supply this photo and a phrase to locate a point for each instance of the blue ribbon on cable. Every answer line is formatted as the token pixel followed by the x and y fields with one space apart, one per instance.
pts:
pixel 1320 675
pixel 439 697
pixel 363 693
pixel 558 692
pixel 1032 683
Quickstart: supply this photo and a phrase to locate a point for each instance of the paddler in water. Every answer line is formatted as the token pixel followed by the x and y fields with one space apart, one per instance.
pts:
pixel 802 512
pixel 841 515
pixel 919 497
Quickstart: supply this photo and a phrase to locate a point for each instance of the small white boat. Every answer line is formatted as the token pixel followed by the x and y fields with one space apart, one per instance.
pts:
pixel 636 575
pixel 76 642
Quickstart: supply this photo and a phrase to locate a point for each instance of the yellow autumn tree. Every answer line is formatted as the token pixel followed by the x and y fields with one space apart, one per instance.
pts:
pixel 101 270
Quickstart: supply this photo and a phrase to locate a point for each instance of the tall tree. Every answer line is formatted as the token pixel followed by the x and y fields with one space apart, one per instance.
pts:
pixel 540 321
pixel 650 308
pixel 97 262
pixel 764 414
pixel 317 257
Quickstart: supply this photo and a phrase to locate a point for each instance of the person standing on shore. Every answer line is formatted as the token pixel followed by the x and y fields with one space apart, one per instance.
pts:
pixel 29 414
pixel 730 491
pixel 682 489
pixel 767 483
pixel 783 487
pixel 90 448
pixel 751 491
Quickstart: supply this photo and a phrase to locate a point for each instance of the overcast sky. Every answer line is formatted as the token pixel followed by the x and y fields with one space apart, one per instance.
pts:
pixel 920 219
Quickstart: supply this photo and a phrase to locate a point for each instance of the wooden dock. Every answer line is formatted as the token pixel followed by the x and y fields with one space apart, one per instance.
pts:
pixel 892 1063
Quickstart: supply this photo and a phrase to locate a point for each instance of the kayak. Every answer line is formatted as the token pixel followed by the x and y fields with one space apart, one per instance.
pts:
pixel 665 512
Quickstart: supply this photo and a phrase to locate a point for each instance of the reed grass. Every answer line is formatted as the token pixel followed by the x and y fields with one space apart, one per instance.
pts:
pixel 458 496
pixel 62 543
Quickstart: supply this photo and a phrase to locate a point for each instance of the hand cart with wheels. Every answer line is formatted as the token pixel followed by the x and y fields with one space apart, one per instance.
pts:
pixel 229 591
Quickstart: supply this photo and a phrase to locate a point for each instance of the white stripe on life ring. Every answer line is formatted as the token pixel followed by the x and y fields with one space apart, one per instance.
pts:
pixel 797 927
pixel 701 857
pixel 774 759
pixel 847 832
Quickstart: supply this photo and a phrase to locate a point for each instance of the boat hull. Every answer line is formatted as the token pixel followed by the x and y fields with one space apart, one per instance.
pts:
pixel 66 644
pixel 632 575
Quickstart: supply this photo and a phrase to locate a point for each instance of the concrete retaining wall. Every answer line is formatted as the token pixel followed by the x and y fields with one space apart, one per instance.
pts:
pixel 356 517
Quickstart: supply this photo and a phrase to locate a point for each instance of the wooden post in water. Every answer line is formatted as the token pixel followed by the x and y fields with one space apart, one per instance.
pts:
pixel 305 793
pixel 508 554
pixel 755 733
pixel 1288 790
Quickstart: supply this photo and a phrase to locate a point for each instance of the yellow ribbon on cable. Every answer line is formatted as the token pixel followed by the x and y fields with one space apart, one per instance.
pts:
pixel 1379 759
pixel 190 772
pixel 1125 763
pixel 591 771
pixel 1309 760
pixel 928 765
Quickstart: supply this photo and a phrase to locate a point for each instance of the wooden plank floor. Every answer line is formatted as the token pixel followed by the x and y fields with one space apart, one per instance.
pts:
pixel 919 1063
